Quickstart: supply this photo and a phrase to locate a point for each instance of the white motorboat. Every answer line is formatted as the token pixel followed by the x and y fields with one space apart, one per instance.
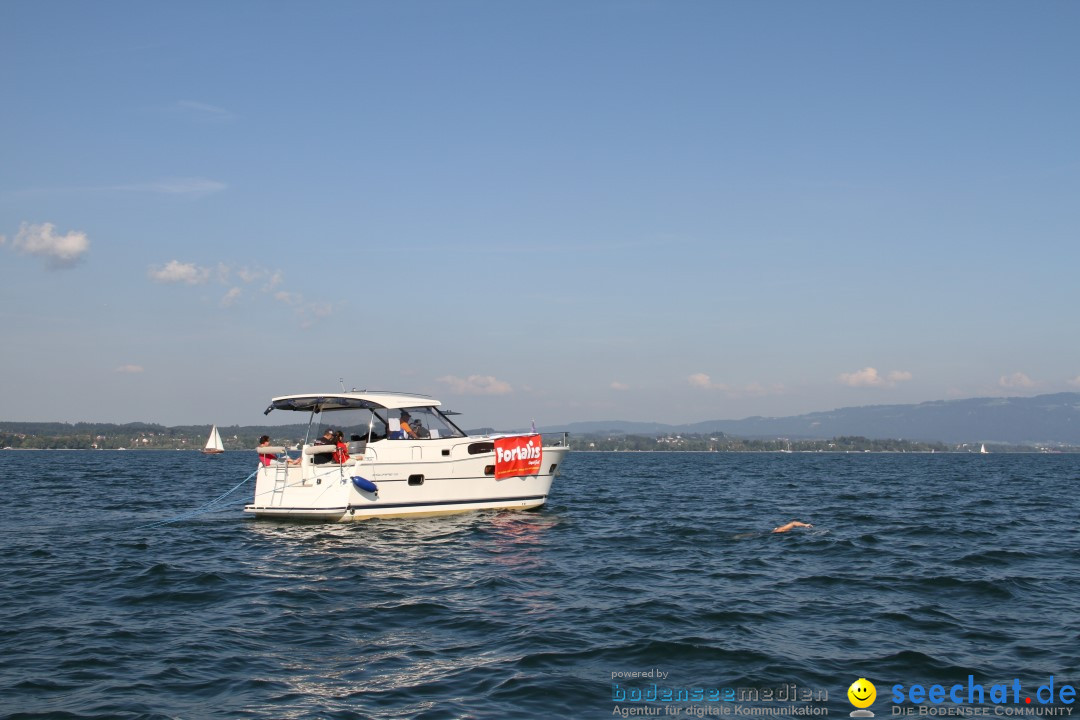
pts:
pixel 405 457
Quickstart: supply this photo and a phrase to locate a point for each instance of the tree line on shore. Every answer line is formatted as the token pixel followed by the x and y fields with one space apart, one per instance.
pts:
pixel 150 436
pixel 130 436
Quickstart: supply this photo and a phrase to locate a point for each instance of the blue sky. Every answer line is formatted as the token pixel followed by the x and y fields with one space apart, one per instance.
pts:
pixel 560 211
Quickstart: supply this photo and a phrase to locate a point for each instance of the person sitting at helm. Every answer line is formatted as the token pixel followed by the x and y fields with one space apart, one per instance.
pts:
pixel 406 429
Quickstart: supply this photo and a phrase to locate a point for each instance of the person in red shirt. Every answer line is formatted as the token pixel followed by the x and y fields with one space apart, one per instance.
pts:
pixel 267 458
pixel 342 453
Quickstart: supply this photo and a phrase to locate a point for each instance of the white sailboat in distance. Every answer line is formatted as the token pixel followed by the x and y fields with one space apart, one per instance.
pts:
pixel 213 443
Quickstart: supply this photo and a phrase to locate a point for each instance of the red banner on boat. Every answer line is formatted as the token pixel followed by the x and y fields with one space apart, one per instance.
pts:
pixel 518 455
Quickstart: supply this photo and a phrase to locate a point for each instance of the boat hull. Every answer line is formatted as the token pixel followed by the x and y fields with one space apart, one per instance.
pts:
pixel 408 485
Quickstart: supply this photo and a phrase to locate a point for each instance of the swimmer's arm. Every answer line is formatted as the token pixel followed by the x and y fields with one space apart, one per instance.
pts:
pixel 791 525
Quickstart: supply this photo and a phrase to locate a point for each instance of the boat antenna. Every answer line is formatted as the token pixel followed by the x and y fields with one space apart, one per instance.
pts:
pixel 342 381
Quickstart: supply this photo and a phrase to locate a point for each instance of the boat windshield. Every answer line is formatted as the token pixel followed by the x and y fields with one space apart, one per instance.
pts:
pixel 425 423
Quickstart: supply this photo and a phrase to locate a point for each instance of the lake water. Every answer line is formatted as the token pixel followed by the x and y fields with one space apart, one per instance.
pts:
pixel 921 569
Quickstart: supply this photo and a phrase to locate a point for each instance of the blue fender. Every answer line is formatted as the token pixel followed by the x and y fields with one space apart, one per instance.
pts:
pixel 364 485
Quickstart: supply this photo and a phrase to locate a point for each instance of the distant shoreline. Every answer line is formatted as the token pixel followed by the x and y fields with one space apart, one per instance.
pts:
pixel 1027 451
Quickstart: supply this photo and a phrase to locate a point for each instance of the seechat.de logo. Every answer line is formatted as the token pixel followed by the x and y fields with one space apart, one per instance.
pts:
pixel 862 694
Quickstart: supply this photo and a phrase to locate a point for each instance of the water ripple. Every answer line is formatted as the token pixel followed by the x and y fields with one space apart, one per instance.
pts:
pixel 919 569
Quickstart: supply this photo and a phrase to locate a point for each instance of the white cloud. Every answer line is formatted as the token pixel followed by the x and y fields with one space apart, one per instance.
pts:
pixel 869 377
pixel 756 389
pixel 702 380
pixel 262 279
pixel 1075 382
pixel 129 369
pixel 2 239
pixel 230 297
pixel 312 311
pixel 250 275
pixel 1016 380
pixel 176 186
pixel 289 298
pixel 476 385
pixel 175 271
pixel 616 385
pixel 58 250
pixel 203 111
pixel 308 312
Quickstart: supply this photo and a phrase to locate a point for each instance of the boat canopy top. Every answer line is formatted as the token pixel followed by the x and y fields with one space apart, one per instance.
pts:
pixel 366 400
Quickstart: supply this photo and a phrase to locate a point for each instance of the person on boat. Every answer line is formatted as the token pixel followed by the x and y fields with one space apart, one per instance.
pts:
pixel 788 527
pixel 267 458
pixel 406 429
pixel 328 438
pixel 342 453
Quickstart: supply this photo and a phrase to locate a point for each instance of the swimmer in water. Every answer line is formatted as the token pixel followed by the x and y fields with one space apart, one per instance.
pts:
pixel 782 529
pixel 791 525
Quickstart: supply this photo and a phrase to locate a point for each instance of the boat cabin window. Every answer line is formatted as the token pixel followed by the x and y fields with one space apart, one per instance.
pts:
pixel 424 422
pixel 421 423
pixel 353 422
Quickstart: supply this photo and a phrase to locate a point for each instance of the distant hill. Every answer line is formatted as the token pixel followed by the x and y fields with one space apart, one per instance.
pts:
pixel 151 436
pixel 1044 419
pixel 1041 419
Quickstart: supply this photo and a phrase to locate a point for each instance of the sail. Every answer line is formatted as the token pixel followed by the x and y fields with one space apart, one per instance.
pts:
pixel 213 443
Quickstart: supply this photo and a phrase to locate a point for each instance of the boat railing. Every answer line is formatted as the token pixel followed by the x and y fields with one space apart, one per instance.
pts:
pixel 281 453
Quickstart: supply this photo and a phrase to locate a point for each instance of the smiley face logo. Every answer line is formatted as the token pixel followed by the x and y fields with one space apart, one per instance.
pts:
pixel 862 693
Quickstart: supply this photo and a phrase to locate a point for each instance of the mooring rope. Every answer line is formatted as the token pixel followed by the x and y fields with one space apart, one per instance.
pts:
pixel 202 509
pixel 210 506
